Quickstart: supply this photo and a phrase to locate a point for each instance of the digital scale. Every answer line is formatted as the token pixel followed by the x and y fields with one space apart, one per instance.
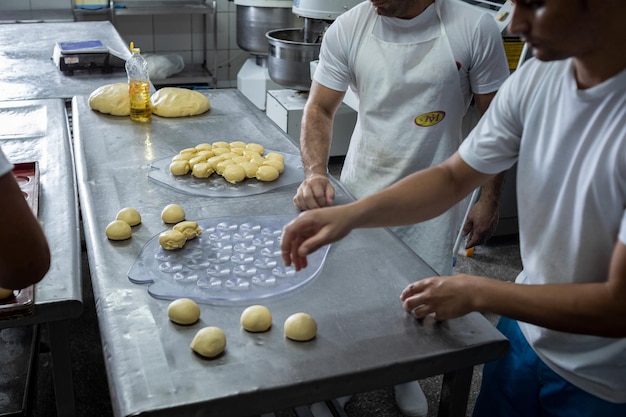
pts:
pixel 86 55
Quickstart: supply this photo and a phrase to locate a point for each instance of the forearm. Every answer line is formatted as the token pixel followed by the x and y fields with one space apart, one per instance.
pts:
pixel 491 190
pixel 574 308
pixel 315 140
pixel 418 197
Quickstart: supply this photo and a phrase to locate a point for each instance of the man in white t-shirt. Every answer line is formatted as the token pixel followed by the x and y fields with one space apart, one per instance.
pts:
pixel 24 252
pixel 562 118
pixel 415 66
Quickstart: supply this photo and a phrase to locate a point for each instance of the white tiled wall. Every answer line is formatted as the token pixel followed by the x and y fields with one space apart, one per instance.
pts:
pixel 179 34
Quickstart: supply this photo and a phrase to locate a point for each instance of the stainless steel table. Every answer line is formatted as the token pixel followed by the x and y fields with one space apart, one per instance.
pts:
pixel 365 340
pixel 37 130
pixel 27 70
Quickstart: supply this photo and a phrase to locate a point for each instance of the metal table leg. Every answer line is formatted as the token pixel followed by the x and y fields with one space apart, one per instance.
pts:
pixel 62 369
pixel 455 390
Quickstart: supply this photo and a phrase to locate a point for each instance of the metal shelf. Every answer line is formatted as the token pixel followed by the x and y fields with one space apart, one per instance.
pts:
pixel 193 73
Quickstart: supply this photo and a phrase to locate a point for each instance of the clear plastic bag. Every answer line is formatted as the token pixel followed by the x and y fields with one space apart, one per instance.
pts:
pixel 163 66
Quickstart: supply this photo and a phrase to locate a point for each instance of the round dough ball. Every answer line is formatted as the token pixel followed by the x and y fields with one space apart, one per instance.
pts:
pixel 300 327
pixel 111 99
pixel 221 166
pixel 276 163
pixel 202 170
pixel 5 293
pixel 266 173
pixel 172 240
pixel 221 144
pixel 178 102
pixel 257 159
pixel 209 342
pixel 196 160
pixel 183 311
pixel 189 229
pixel 129 215
pixel 204 146
pixel 250 169
pixel 214 160
pixel 256 318
pixel 173 213
pixel 118 230
pixel 275 155
pixel 180 167
pixel 234 173
pixel 255 147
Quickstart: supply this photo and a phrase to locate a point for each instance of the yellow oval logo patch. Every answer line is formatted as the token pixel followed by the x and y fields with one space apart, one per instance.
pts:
pixel 430 119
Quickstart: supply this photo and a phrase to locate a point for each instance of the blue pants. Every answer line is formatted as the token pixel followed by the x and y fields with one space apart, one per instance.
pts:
pixel 521 385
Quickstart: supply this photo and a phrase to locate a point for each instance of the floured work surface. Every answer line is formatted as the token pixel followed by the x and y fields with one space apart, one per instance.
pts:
pixel 234 260
pixel 22 302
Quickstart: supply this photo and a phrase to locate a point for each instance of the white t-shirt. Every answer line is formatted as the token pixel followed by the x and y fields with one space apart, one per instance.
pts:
pixel 5 165
pixel 570 146
pixel 474 38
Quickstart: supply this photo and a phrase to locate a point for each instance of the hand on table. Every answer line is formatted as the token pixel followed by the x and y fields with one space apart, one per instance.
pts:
pixel 314 192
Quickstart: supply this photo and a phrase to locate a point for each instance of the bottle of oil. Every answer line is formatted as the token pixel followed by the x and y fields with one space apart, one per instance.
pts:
pixel 138 86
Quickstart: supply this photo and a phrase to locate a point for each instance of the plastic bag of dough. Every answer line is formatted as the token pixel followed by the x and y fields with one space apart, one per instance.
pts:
pixel 178 102
pixel 111 99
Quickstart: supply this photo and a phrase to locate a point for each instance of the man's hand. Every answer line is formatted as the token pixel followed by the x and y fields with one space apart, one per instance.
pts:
pixel 314 192
pixel 481 222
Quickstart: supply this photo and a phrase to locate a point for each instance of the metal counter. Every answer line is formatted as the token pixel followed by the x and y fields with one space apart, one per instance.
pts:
pixel 37 130
pixel 365 340
pixel 27 70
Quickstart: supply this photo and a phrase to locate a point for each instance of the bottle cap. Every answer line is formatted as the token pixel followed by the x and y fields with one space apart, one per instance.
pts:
pixel 133 49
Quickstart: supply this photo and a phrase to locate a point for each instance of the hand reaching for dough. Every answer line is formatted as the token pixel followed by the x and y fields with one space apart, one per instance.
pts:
pixel 314 192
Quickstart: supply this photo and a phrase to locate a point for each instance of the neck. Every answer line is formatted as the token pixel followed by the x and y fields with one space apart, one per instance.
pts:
pixel 417 8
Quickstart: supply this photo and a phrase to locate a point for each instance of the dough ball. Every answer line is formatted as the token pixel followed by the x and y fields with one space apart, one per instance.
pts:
pixel 255 147
pixel 234 173
pixel 249 168
pixel 276 163
pixel 266 173
pixel 221 165
pixel 5 293
pixel 256 318
pixel 300 327
pixel 257 159
pixel 221 151
pixel 204 146
pixel 203 170
pixel 214 160
pixel 221 144
pixel 173 213
pixel 183 311
pixel 209 342
pixel 206 154
pixel 189 229
pixel 178 102
pixel 238 151
pixel 129 215
pixel 275 155
pixel 118 230
pixel 172 240
pixel 196 160
pixel 111 99
pixel 239 159
pixel 180 167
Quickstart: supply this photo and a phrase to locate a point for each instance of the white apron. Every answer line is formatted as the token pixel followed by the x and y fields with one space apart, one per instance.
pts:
pixel 410 117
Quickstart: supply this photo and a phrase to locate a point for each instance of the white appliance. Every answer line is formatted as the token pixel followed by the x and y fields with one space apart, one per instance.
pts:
pixel 254 18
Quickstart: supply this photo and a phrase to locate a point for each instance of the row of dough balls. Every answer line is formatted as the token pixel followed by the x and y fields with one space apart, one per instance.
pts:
pixel 114 99
pixel 126 218
pixel 235 161
pixel 211 341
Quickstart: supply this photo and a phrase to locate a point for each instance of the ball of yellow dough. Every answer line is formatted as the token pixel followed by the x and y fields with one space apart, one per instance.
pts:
pixel 183 311
pixel 221 144
pixel 189 229
pixel 209 342
pixel 129 215
pixel 118 230
pixel 5 293
pixel 249 168
pixel 255 147
pixel 179 167
pixel 275 155
pixel 300 327
pixel 202 170
pixel 234 173
pixel 256 318
pixel 172 240
pixel 221 165
pixel 173 213
pixel 276 163
pixel 266 173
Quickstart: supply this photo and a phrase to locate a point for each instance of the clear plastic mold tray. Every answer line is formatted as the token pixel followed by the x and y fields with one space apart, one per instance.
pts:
pixel 217 186
pixel 234 260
